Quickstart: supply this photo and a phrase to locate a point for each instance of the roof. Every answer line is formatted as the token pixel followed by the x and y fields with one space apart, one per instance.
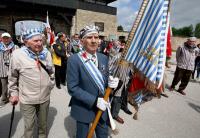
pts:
pixel 75 4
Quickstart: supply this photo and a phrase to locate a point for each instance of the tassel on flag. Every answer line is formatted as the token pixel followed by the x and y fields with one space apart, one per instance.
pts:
pixel 147 51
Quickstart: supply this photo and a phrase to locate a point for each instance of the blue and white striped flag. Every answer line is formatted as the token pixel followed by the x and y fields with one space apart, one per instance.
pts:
pixel 147 51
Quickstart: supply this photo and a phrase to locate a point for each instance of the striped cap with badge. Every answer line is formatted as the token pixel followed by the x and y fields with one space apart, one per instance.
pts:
pixel 87 30
pixel 29 33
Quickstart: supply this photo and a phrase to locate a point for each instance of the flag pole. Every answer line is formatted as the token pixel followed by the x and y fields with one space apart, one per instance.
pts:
pixel 121 63
pixel 98 115
pixel 134 27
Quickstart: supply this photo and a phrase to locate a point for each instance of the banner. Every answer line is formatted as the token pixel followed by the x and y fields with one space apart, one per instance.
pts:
pixel 147 51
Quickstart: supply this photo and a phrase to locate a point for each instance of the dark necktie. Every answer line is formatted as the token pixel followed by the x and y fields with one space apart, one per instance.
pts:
pixel 94 59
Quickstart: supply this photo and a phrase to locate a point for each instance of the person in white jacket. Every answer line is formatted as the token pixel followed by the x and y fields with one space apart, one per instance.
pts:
pixel 30 81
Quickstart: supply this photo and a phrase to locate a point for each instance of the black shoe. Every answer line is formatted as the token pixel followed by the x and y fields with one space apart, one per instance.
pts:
pixel 119 120
pixel 181 92
pixel 126 110
pixel 147 98
pixel 58 87
pixel 164 95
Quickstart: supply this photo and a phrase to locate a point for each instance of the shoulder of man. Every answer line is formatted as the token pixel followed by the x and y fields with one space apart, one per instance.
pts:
pixel 74 60
pixel 49 53
pixel 180 47
pixel 73 57
pixel 102 55
pixel 18 54
pixel 17 51
pixel 56 45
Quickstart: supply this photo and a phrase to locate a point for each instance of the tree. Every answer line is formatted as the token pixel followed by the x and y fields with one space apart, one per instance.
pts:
pixel 120 28
pixel 174 31
pixel 185 31
pixel 197 30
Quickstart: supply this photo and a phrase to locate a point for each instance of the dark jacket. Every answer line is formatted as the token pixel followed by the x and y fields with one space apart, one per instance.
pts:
pixel 60 50
pixel 83 90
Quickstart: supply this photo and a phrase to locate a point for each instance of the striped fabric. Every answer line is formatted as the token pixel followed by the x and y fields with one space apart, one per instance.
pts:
pixel 93 71
pixel 5 59
pixel 3 67
pixel 147 51
pixel 138 98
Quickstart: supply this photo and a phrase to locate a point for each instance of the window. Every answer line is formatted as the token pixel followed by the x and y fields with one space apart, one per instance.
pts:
pixel 100 25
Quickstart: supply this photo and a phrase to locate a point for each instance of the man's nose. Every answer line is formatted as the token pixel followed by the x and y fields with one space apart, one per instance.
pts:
pixel 93 39
pixel 39 42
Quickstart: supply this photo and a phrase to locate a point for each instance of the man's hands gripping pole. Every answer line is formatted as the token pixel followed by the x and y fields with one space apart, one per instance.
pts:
pixel 112 83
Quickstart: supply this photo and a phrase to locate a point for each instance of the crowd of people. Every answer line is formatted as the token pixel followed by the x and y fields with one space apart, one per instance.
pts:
pixel 29 72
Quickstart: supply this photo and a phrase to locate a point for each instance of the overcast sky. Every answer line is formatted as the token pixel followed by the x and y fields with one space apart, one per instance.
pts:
pixel 183 12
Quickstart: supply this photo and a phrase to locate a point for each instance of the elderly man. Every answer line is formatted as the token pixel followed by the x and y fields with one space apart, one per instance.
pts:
pixel 87 78
pixel 6 49
pixel 185 57
pixel 30 82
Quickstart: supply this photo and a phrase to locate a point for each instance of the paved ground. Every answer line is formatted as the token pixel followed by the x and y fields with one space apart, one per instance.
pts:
pixel 174 117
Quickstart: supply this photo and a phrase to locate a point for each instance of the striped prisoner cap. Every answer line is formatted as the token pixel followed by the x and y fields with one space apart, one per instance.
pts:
pixel 87 30
pixel 29 33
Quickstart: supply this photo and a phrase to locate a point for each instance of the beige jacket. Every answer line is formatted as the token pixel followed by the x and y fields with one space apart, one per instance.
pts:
pixel 26 80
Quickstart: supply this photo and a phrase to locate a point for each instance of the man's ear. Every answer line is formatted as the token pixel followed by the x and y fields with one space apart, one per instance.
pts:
pixel 82 40
pixel 25 41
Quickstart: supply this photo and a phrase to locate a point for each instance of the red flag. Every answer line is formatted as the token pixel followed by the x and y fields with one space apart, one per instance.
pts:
pixel 52 38
pixel 169 47
pixel 137 83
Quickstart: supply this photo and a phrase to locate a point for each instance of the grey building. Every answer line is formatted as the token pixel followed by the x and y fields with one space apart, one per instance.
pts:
pixel 68 16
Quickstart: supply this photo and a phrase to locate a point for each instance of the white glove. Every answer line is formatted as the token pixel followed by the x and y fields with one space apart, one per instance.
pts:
pixel 113 82
pixel 102 104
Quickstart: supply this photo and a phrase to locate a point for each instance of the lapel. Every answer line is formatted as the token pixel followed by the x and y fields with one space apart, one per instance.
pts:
pixel 88 75
pixel 101 66
pixel 101 70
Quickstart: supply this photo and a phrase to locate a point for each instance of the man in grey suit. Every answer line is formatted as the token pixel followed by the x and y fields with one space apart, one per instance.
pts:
pixel 87 78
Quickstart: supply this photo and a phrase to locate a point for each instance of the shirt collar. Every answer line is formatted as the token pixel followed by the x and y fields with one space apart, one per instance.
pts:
pixel 90 55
